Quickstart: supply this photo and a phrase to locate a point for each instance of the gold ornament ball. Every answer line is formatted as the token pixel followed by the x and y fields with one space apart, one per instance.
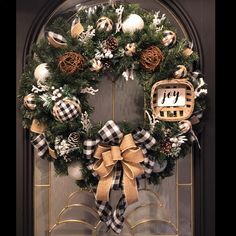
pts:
pixel 181 72
pixel 130 49
pixel 132 24
pixel 169 38
pixel 41 72
pixel 104 23
pixel 29 101
pixel 75 171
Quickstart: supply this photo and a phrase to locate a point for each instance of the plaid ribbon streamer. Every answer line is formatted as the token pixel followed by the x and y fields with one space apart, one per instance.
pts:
pixel 111 134
pixel 89 147
pixel 40 144
pixel 145 141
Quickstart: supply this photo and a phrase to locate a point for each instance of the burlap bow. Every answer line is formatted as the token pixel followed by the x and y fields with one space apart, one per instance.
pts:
pixel 116 160
pixel 130 157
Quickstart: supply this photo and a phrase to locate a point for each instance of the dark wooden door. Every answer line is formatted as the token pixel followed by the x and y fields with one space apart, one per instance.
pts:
pixel 198 17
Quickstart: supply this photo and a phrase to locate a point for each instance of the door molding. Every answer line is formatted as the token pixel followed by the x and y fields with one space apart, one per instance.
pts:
pixel 25 214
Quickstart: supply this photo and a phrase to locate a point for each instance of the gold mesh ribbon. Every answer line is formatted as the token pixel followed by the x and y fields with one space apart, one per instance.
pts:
pixel 130 157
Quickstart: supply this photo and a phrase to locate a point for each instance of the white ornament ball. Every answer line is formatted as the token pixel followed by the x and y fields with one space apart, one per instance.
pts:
pixel 157 168
pixel 75 171
pixel 41 72
pixel 133 23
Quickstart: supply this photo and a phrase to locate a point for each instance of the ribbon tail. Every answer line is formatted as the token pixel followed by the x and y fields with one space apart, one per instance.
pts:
pixel 130 189
pixel 104 210
pixel 40 144
pixel 118 216
pixel 103 188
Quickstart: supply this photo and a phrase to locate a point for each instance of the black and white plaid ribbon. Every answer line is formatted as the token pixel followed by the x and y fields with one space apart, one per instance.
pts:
pixel 89 147
pixel 111 134
pixel 40 144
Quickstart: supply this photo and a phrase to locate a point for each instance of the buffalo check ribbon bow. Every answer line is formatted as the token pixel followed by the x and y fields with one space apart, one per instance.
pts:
pixel 117 160
pixel 130 157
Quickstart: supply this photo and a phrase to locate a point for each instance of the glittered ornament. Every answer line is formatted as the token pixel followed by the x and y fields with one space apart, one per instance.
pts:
pixel 169 38
pixel 132 24
pixel 71 62
pixel 104 23
pixel 29 101
pixel 56 40
pixel 111 43
pixel 41 72
pixel 130 49
pixel 157 168
pixel 151 57
pixel 75 171
pixel 181 72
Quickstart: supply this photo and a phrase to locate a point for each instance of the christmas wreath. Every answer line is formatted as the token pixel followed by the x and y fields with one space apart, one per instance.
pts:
pixel 66 67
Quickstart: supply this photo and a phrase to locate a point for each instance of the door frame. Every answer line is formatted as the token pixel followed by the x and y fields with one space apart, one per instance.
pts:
pixel 204 159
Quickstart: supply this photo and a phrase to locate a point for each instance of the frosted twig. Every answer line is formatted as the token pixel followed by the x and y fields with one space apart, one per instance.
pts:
pixel 85 121
pixel 87 35
pixel 129 73
pixel 89 90
pixel 152 121
pixel 157 21
pixel 40 87
pixel 119 12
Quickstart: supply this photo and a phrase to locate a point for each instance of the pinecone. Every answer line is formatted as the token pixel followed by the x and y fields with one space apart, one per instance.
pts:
pixel 73 139
pixel 166 147
pixel 111 43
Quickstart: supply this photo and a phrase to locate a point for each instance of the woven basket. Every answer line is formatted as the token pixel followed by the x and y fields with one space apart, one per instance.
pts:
pixel 173 113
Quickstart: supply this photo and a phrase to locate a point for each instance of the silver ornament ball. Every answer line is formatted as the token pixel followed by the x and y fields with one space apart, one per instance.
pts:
pixel 75 171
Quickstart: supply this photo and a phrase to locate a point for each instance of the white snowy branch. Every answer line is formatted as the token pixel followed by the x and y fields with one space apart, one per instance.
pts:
pixel 85 121
pixel 152 121
pixel 87 35
pixel 89 90
pixel 119 12
pixel 157 21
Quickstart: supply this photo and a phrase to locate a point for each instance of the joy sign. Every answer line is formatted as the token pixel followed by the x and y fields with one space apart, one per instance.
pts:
pixel 171 97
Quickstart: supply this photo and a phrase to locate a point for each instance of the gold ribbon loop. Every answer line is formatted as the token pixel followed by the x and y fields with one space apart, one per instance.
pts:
pixel 37 127
pixel 130 156
pixel 116 153
pixel 108 158
pixel 100 149
pixel 127 143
